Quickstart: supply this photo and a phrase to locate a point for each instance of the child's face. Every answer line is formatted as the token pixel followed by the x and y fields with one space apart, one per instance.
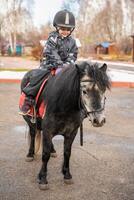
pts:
pixel 64 32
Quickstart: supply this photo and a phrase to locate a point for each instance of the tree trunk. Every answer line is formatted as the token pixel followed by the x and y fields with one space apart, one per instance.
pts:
pixel 12 42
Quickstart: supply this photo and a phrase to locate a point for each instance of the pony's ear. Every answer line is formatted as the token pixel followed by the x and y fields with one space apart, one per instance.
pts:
pixel 81 66
pixel 103 67
pixel 78 67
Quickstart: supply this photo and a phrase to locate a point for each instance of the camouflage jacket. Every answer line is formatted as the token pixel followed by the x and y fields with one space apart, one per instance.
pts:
pixel 60 51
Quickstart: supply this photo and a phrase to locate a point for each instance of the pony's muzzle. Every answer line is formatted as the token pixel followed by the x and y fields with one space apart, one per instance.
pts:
pixel 98 119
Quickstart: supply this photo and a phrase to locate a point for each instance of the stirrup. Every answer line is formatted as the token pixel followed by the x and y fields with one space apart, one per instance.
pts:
pixel 23 114
pixel 33 119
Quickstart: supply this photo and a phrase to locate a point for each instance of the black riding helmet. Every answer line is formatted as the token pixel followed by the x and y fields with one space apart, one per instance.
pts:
pixel 64 18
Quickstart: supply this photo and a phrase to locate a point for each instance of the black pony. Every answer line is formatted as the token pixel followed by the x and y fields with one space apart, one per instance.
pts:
pixel 73 94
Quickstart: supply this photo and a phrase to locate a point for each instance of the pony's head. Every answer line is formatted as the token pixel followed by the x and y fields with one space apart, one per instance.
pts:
pixel 93 83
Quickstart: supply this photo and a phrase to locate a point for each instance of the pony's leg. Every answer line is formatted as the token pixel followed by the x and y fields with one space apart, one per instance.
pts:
pixel 42 177
pixel 30 155
pixel 53 151
pixel 68 140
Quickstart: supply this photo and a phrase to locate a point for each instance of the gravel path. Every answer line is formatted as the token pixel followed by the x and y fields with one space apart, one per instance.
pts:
pixel 103 169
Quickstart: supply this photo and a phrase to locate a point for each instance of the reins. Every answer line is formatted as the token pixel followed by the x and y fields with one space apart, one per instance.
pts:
pixel 88 113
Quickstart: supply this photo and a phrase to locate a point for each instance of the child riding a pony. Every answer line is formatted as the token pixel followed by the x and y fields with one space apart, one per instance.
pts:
pixel 60 51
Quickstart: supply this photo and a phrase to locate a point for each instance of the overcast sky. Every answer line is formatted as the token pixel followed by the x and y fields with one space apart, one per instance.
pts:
pixel 45 10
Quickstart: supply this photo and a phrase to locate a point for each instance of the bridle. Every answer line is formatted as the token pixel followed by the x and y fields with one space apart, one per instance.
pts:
pixel 93 112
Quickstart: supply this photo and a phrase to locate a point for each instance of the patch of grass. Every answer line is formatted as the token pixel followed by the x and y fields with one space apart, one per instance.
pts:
pixel 13 69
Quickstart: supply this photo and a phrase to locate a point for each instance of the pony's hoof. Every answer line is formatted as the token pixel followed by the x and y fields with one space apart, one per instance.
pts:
pixel 43 186
pixel 68 181
pixel 53 155
pixel 29 159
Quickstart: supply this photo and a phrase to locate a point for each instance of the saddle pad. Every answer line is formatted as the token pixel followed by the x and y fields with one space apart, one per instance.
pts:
pixel 41 110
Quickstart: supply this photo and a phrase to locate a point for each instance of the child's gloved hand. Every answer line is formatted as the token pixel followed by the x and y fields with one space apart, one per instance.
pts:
pixel 66 64
pixel 58 70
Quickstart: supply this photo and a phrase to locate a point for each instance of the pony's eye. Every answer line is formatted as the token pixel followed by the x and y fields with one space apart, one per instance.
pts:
pixel 84 92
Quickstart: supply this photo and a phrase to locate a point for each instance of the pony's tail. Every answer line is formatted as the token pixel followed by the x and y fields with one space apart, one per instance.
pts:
pixel 38 143
pixel 38 139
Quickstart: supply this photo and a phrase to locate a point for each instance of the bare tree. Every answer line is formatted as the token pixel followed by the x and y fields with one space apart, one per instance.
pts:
pixel 17 20
pixel 110 26
pixel 72 5
pixel 101 22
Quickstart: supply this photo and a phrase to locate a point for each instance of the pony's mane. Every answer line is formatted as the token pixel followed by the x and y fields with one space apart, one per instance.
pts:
pixel 99 76
pixel 62 91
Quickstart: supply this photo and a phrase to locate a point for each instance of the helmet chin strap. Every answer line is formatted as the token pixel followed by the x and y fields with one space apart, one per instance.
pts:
pixel 71 31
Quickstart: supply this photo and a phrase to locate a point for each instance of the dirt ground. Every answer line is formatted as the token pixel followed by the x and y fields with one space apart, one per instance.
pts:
pixel 103 169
